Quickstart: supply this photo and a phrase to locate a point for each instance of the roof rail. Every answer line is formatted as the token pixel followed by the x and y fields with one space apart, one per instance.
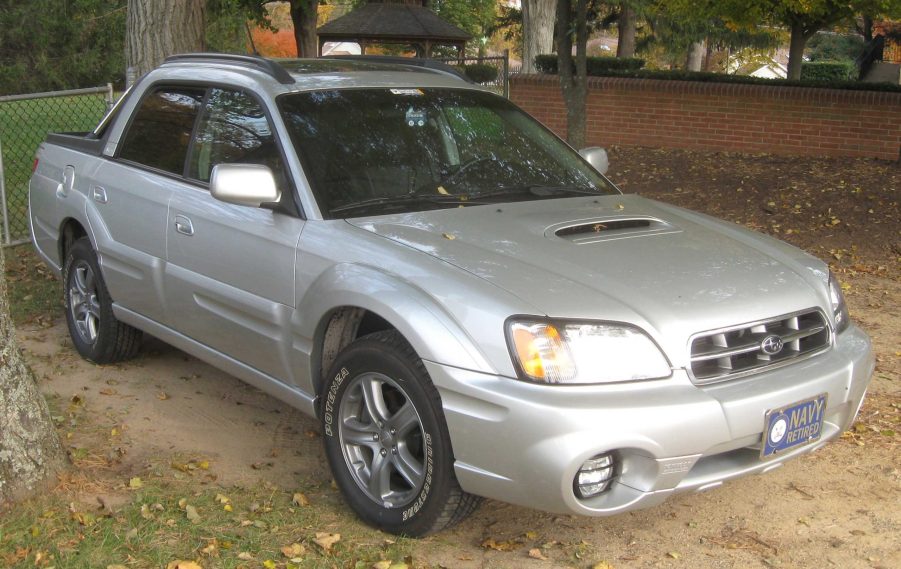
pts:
pixel 267 66
pixel 430 64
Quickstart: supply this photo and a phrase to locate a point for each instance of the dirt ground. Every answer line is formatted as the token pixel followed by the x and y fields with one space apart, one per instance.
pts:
pixel 838 507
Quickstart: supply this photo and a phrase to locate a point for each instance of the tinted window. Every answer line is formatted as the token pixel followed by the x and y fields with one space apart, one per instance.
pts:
pixel 234 130
pixel 372 151
pixel 161 129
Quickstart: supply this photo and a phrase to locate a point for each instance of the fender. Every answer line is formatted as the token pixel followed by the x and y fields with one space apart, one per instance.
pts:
pixel 417 315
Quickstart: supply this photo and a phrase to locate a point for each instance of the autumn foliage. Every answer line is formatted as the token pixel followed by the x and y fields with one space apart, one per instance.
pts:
pixel 274 44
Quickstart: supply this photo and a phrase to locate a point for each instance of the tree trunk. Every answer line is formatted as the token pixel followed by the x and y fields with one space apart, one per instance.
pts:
pixel 695 56
pixel 573 85
pixel 708 56
pixel 537 31
pixel 799 37
pixel 867 28
pixel 30 451
pixel 304 16
pixel 625 47
pixel 156 29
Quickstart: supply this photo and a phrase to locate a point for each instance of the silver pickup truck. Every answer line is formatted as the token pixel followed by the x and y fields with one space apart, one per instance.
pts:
pixel 466 304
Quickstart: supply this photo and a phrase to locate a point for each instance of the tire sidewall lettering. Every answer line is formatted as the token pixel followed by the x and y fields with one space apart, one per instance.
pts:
pixel 328 417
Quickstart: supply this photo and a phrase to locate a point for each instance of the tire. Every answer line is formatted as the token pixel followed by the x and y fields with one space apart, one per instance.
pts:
pixel 97 335
pixel 380 410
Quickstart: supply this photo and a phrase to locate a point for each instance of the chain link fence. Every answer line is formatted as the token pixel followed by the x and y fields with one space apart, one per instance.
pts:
pixel 25 121
pixel 492 72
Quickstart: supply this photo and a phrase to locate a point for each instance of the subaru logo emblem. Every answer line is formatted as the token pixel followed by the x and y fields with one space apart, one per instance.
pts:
pixel 771 345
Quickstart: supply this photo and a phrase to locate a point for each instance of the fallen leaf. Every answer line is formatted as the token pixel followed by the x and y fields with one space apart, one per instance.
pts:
pixel 245 556
pixel 145 512
pixel 491 543
pixel 602 565
pixel 535 553
pixel 270 564
pixel 222 499
pixel 135 483
pixel 381 565
pixel 326 540
pixel 300 499
pixel 674 555
pixel 192 515
pixel 116 566
pixel 162 396
pixel 183 565
pixel 293 551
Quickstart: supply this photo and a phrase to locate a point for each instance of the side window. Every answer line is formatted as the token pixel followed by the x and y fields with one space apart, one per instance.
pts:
pixel 234 130
pixel 160 131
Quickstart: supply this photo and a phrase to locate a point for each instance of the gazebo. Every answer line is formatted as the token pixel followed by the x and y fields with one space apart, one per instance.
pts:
pixel 381 22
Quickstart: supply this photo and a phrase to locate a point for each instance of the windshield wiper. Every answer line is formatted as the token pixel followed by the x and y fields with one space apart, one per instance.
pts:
pixel 536 190
pixel 405 198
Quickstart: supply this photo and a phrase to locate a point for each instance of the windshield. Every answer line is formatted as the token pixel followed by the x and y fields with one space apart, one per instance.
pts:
pixel 375 151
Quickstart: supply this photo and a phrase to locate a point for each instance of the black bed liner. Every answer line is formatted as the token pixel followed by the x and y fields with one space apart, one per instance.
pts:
pixel 85 142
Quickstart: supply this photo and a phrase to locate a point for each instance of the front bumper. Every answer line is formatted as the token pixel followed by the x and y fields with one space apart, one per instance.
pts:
pixel 523 443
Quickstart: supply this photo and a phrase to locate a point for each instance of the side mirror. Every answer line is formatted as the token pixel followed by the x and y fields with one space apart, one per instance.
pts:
pixel 244 184
pixel 597 157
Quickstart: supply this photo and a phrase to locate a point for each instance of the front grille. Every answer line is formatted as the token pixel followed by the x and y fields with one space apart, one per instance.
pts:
pixel 741 350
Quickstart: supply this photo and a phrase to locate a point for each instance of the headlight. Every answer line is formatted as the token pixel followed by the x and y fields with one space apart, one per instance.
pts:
pixel 583 352
pixel 839 308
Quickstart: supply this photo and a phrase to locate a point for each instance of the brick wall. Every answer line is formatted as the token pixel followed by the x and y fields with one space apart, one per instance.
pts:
pixel 723 116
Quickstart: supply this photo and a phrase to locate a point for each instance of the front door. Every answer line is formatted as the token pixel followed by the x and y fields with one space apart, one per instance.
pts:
pixel 230 272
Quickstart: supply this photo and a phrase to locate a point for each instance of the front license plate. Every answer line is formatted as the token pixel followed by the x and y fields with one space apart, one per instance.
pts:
pixel 792 426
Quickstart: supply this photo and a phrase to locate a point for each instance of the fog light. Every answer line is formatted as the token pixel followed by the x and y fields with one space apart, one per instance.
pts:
pixel 594 476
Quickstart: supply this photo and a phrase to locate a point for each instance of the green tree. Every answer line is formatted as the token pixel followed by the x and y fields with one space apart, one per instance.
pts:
pixel 47 45
pixel 474 16
pixel 802 17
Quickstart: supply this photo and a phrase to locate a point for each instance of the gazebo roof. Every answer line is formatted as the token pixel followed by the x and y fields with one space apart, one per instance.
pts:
pixel 386 21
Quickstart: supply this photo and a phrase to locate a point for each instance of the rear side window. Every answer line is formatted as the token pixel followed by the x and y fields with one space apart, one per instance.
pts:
pixel 160 132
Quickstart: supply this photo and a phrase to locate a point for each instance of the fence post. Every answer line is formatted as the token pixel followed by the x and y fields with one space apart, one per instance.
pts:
pixel 507 73
pixel 6 237
pixel 109 96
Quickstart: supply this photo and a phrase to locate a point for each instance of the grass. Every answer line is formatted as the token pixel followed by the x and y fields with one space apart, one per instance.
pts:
pixel 108 512
pixel 35 294
pixel 23 126
pixel 166 520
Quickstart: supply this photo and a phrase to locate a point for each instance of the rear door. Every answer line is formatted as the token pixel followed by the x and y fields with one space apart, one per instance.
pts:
pixel 130 196
pixel 230 276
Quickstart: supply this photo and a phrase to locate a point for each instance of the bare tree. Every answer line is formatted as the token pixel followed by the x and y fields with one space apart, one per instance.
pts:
pixel 30 451
pixel 537 31
pixel 304 15
pixel 573 74
pixel 695 58
pixel 156 29
pixel 625 24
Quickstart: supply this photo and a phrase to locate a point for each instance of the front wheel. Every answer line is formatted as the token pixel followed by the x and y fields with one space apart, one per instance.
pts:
pixel 386 439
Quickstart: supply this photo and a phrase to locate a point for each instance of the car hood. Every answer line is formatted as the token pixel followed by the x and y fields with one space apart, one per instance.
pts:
pixel 618 258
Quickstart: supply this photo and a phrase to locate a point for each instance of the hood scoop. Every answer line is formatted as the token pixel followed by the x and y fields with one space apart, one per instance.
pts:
pixel 605 229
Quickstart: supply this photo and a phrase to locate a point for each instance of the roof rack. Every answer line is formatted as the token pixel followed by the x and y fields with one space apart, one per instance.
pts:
pixel 267 66
pixel 430 64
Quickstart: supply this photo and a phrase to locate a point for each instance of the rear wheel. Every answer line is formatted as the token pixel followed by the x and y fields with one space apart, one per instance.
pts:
pixel 386 439
pixel 95 332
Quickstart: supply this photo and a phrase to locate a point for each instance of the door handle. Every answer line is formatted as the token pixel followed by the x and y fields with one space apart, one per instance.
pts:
pixel 98 194
pixel 183 225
